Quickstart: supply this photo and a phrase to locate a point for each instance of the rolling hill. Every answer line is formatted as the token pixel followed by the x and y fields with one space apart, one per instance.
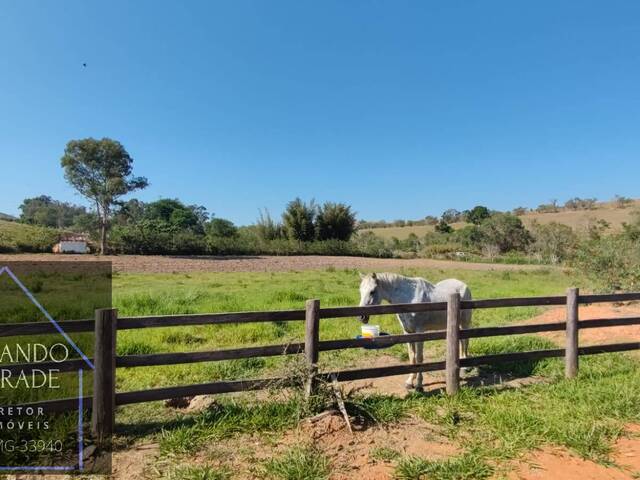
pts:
pixel 16 237
pixel 576 219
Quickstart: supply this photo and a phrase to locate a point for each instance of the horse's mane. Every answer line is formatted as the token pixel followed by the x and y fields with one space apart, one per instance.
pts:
pixel 392 278
pixel 388 277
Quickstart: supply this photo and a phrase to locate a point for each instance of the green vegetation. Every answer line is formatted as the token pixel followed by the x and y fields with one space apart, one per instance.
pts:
pixel 464 467
pixel 101 171
pixel 165 294
pixel 17 237
pixel 198 473
pixel 298 463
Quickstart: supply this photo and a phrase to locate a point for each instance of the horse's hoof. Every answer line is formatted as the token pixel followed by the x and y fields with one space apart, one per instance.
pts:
pixel 420 389
pixel 408 386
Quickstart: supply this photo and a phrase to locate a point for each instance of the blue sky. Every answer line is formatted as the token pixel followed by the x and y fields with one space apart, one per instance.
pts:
pixel 401 109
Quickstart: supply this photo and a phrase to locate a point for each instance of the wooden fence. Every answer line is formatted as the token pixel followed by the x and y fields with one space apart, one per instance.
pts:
pixel 107 323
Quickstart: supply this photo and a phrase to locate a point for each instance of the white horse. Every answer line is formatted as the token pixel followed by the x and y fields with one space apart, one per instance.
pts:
pixel 375 288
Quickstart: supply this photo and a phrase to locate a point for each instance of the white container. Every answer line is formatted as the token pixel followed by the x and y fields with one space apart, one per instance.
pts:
pixel 370 331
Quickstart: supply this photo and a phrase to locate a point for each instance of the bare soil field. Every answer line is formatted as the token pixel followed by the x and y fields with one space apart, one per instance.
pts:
pixel 179 264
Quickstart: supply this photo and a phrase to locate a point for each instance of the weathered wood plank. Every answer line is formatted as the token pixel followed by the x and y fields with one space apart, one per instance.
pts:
pixel 606 298
pixel 452 354
pixel 512 302
pixel 104 376
pixel 156 359
pixel 571 342
pixel 41 328
pixel 378 372
pixel 341 312
pixel 311 340
pixel 212 388
pixel 126 323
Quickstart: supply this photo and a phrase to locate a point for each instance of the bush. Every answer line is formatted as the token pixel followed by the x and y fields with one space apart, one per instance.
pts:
pixel 220 227
pixel 505 232
pixel 553 242
pixel 298 219
pixel 335 221
pixel 19 238
pixel 610 262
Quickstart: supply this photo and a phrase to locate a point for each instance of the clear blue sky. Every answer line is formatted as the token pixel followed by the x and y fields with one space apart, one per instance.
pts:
pixel 399 108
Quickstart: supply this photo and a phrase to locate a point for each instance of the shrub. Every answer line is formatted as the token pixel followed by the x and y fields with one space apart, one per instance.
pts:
pixel 298 219
pixel 506 232
pixel 443 226
pixel 553 242
pixel 477 215
pixel 220 227
pixel 335 221
pixel 610 262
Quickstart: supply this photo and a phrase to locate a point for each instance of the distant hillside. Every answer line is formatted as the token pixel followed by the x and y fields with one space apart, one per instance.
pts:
pixel 577 219
pixel 10 218
pixel 17 237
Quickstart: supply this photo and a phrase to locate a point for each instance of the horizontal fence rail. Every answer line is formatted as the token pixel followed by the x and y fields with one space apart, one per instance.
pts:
pixel 109 361
pixel 156 321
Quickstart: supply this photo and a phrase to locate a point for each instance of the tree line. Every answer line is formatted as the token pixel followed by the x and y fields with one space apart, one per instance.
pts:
pixel 102 172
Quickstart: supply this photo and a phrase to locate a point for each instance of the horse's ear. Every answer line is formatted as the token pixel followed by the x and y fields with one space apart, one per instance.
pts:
pixel 374 276
pixel 362 275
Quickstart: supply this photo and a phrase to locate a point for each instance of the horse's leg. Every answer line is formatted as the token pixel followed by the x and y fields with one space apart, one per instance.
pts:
pixel 418 357
pixel 412 359
pixel 464 343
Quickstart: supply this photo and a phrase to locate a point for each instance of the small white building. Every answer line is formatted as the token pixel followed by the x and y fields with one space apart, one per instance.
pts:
pixel 71 244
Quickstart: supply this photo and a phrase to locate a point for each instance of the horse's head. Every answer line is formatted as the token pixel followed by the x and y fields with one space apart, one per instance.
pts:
pixel 369 293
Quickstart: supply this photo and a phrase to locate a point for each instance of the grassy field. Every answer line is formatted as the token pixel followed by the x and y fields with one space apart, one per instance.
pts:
pixel 489 426
pixel 576 219
pixel 219 292
pixel 16 237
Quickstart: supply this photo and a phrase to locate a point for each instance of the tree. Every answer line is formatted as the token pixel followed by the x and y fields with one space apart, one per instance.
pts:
pixel 505 231
pixel 267 228
pixel 101 171
pixel 47 212
pixel 519 211
pixel 220 227
pixel 298 219
pixel 553 241
pixel 335 221
pixel 177 215
pixel 622 201
pixel 477 214
pixel 451 215
pixel 443 227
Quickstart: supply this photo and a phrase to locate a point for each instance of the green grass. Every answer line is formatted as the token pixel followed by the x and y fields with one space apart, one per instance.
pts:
pixel 18 237
pixel 198 473
pixel 584 415
pixel 227 418
pixel 384 454
pixel 145 294
pixel 464 467
pixel 299 463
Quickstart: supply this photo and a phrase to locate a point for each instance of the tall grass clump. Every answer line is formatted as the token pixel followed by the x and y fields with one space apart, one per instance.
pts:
pixel 464 467
pixel 299 463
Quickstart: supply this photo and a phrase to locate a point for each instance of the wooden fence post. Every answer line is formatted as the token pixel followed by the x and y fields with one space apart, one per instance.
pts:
pixel 311 340
pixel 104 376
pixel 452 361
pixel 571 348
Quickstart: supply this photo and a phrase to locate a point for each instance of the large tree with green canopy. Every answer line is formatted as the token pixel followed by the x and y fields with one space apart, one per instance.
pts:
pixel 101 171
